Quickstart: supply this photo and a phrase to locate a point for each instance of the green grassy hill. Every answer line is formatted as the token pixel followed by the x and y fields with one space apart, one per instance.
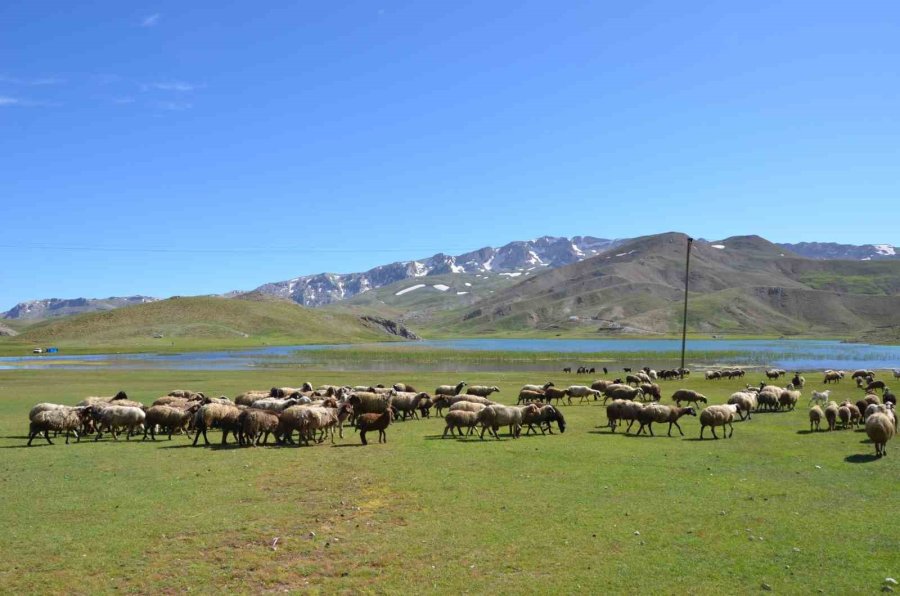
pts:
pixel 185 323
pixel 742 285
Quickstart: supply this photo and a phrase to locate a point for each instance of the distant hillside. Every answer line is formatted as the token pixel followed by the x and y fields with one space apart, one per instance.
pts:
pixel 515 257
pixel 7 331
pixel 57 307
pixel 851 252
pixel 206 319
pixel 740 285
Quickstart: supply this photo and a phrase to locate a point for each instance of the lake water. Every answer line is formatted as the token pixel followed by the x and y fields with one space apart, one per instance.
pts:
pixel 789 354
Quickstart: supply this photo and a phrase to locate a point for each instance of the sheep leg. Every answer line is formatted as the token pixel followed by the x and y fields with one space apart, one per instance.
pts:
pixel 362 436
pixel 702 428
pixel 713 429
pixel 47 436
pixel 731 426
pixel 444 436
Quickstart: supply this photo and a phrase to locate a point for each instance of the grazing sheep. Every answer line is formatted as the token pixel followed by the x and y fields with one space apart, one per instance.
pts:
pixel 622 409
pixel 282 391
pixel 537 387
pixel 322 420
pixel 526 396
pixel 712 375
pixel 276 404
pixel 44 407
pixel 820 396
pixel 815 417
pixel 582 392
pixel 257 424
pixel 543 417
pixel 879 385
pixel 460 419
pixel 652 391
pixel 556 393
pixel 633 380
pixel 844 416
pixel 215 415
pixel 115 417
pixel 493 417
pixel 624 392
pixel 831 414
pixel 714 416
pixel 888 396
pixel 247 398
pixel 186 394
pixel 67 419
pixel 660 413
pixel 788 399
pixel 169 418
pixel 482 390
pixel 880 428
pixel 798 381
pixel 371 422
pixel 833 376
pixel 467 406
pixel 405 387
pixel 365 402
pixel 406 403
pixel 855 413
pixel 746 401
pixel 450 389
pixel 688 395
pixel 601 384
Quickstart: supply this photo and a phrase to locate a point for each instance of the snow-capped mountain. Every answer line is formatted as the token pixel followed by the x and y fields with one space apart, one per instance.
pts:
pixel 846 252
pixel 58 307
pixel 543 252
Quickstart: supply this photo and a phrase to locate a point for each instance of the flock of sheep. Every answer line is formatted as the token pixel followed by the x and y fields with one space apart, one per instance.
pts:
pixel 317 414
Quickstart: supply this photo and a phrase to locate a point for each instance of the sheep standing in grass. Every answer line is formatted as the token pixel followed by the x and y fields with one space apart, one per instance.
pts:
pixel 820 396
pixel 832 376
pixel 582 392
pixel 44 407
pixel 831 415
pixel 113 418
pixel 556 393
pixel 366 402
pixel 526 396
pixel 880 427
pixel 652 391
pixel 688 395
pixel 467 406
pixel 746 401
pixel 372 422
pixel 215 415
pixel 622 409
pixel 167 418
pixel 816 415
pixel 543 418
pixel 482 390
pixel 406 403
pixel 624 392
pixel 788 399
pixel 257 425
pixel 537 387
pixel 714 416
pixel 405 387
pixel 450 389
pixel 248 397
pixel 493 417
pixel 67 420
pixel 651 413
pixel 459 420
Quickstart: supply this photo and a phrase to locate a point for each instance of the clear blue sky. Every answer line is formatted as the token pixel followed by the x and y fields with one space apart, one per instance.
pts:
pixel 199 147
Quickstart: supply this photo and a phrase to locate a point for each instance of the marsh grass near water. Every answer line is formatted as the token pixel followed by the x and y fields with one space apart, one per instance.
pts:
pixel 584 511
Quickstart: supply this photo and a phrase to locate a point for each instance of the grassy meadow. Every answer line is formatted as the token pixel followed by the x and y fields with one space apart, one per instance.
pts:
pixel 583 511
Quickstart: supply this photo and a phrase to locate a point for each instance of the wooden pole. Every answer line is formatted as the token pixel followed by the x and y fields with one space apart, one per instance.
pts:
pixel 687 274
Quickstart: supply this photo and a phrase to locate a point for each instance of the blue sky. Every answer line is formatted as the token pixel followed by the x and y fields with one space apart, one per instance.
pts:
pixel 197 147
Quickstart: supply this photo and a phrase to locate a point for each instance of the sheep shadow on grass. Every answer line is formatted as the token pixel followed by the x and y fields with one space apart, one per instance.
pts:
pixel 861 458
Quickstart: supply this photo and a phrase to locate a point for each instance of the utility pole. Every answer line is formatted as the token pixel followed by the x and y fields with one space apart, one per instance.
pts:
pixel 687 274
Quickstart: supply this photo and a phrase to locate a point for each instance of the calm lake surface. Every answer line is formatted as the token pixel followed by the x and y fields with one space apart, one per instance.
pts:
pixel 790 354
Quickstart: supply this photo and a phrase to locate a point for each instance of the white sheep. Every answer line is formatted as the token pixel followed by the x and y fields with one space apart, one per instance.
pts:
pixel 68 420
pixel 714 416
pixel 820 396
pixel 115 417
pixel 493 417
pixel 880 428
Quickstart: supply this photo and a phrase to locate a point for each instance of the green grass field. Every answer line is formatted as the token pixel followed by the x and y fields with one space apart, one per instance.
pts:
pixel 799 512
